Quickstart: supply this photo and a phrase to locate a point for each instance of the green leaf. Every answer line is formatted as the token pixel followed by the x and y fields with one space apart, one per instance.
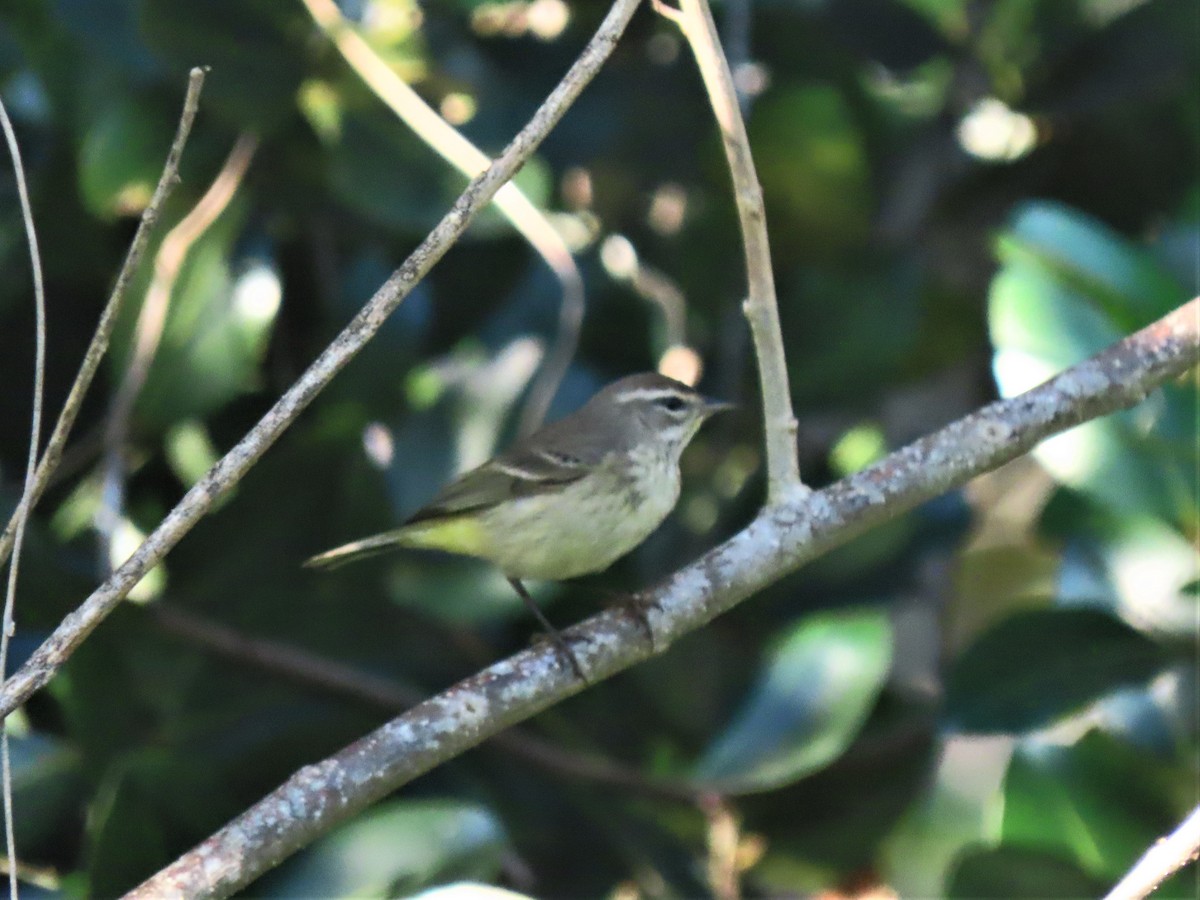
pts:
pixel 1098 802
pixel 1067 288
pixel 120 157
pixel 1007 873
pixel 813 166
pixel 1138 568
pixel 221 315
pixel 1093 261
pixel 190 451
pixel 397 848
pixel 1038 665
pixel 1032 312
pixel 956 810
pixel 808 705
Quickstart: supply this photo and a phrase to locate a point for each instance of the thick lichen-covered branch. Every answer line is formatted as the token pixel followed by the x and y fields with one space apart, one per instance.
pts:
pixel 782 538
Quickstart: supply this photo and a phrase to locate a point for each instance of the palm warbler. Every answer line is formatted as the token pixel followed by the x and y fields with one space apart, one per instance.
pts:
pixel 569 499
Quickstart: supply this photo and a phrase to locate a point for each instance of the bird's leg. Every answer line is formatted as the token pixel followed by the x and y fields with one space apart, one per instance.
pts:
pixel 551 631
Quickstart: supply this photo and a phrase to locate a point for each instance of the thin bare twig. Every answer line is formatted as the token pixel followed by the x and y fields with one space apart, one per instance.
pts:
pixel 74 629
pixel 100 338
pixel 152 319
pixel 1161 861
pixel 779 540
pixel 35 429
pixel 302 667
pixel 695 21
pixel 453 147
pixel 284 660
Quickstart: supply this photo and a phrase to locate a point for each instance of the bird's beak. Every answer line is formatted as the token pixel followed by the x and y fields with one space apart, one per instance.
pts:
pixel 712 406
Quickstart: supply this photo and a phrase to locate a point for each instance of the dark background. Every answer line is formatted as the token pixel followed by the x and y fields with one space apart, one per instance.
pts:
pixel 994 695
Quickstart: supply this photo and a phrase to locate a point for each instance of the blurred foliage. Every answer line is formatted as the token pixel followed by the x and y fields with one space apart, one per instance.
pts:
pixel 397 847
pixel 992 696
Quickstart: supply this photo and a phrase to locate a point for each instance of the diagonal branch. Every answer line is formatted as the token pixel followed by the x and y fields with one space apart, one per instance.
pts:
pixel 75 628
pixel 782 538
pixel 695 20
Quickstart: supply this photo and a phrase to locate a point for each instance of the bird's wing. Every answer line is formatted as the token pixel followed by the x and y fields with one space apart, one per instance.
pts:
pixel 522 472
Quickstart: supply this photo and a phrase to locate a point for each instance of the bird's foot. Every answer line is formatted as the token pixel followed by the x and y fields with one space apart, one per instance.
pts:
pixel 636 605
pixel 565 653
pixel 552 633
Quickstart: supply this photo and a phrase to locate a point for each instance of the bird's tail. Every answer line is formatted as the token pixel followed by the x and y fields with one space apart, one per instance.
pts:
pixel 356 550
pixel 454 534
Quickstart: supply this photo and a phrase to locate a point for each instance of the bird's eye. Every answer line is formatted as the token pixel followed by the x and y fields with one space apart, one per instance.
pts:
pixel 672 403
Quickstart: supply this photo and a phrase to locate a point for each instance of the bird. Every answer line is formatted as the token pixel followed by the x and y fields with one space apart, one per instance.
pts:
pixel 568 500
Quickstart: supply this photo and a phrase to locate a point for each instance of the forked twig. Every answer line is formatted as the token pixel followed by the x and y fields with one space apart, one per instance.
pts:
pixel 695 21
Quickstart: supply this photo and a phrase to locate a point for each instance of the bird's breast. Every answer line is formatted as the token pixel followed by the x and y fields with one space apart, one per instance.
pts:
pixel 587 525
